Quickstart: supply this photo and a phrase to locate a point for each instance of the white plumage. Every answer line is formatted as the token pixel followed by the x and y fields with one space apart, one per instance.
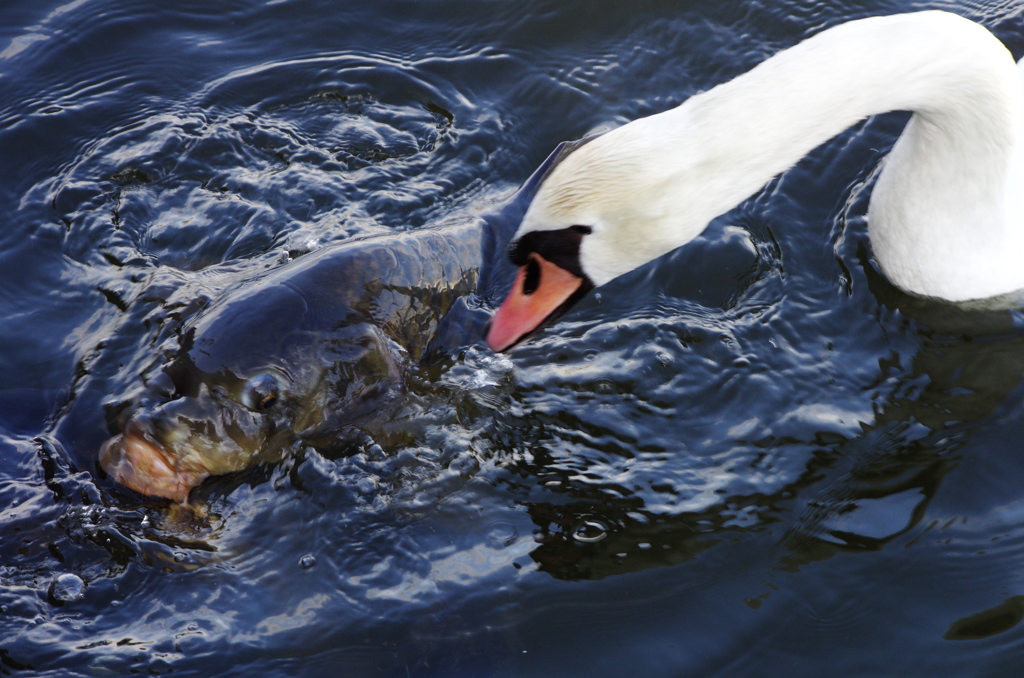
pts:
pixel 945 217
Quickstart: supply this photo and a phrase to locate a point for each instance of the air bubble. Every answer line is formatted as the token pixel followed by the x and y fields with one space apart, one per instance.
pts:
pixel 307 561
pixel 66 588
pixel 589 532
pixel 502 534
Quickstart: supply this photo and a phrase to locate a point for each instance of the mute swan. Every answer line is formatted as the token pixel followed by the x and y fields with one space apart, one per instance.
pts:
pixel 945 217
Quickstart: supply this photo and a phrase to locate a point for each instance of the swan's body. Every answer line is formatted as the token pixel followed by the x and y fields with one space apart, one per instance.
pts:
pixel 946 217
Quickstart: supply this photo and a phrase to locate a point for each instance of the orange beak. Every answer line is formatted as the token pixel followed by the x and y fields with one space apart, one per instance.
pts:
pixel 540 289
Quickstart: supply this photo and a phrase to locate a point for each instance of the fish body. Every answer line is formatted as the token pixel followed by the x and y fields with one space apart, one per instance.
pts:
pixel 308 353
pixel 301 354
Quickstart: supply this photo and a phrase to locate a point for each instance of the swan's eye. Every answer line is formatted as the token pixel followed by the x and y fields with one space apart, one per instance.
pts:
pixel 531 281
pixel 581 230
pixel 261 392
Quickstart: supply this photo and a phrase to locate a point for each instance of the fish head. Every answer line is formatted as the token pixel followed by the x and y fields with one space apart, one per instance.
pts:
pixel 247 383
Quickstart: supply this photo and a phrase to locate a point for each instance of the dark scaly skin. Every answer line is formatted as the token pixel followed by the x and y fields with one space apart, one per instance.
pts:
pixel 334 329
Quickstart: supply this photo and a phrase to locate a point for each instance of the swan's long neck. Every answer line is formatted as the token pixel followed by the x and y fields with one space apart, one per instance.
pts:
pixel 938 214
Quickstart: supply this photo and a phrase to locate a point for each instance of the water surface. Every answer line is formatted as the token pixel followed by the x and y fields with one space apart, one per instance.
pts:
pixel 752 456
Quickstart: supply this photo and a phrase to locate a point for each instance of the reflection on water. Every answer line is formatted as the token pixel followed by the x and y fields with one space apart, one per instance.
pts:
pixel 753 451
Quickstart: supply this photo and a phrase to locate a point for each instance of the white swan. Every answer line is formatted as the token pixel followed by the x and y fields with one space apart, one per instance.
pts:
pixel 945 218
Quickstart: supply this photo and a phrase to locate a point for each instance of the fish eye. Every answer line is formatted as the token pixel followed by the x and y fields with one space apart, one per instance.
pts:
pixel 261 392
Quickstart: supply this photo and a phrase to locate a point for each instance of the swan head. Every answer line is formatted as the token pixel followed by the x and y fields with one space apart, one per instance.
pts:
pixel 607 208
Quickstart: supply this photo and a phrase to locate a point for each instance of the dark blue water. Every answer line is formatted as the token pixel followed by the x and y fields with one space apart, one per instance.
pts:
pixel 753 457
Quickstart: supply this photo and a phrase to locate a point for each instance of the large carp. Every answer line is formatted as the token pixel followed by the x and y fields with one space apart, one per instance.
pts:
pixel 299 355
pixel 305 354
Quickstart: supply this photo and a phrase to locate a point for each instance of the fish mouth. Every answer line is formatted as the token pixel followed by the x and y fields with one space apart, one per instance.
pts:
pixel 143 466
